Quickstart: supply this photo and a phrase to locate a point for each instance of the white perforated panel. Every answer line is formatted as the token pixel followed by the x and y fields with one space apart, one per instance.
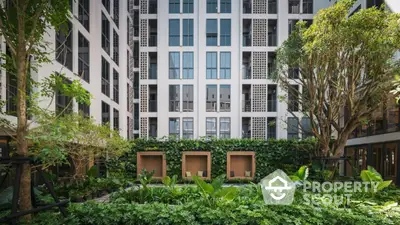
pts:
pixel 259 32
pixel 143 32
pixel 143 98
pixel 258 126
pixel 143 6
pixel 143 65
pixel 259 6
pixel 143 127
pixel 259 65
pixel 259 97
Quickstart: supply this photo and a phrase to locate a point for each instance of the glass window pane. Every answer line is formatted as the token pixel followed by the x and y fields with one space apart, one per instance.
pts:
pixel 212 32
pixel 187 6
pixel 188 32
pixel 225 65
pixel 225 6
pixel 174 32
pixel 174 6
pixel 174 62
pixel 212 6
pixel 187 65
pixel 225 38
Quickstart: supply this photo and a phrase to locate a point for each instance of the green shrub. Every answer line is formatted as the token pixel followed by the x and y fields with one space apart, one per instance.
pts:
pixel 270 155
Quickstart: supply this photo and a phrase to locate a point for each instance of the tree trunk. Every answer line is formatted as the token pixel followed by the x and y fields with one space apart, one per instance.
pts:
pixel 22 144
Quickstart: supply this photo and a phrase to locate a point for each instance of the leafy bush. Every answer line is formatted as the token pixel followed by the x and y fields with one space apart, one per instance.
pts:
pixel 270 154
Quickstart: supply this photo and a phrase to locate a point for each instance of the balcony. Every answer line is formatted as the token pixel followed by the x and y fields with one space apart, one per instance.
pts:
pixel 294 6
pixel 152 6
pixel 211 106
pixel 225 107
pixel 153 40
pixel 246 106
pixel 246 127
pixel 246 39
pixel 247 6
pixel 153 127
pixel 272 7
pixel 272 32
pixel 271 105
pixel 247 73
pixel 152 105
pixel 174 105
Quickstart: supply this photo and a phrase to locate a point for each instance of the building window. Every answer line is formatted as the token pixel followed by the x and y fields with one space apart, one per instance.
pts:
pixel 105 113
pixel 187 128
pixel 105 34
pixel 63 103
pixel 152 6
pixel 308 7
pixel 83 58
pixel 306 127
pixel 293 128
pixel 393 116
pixel 225 6
pixel 174 63
pixel 64 39
pixel 115 86
pixel 188 60
pixel 225 127
pixel 212 32
pixel 106 4
pixel 84 109
pixel 293 98
pixel 225 65
pixel 272 7
pixel 292 26
pixel 271 127
pixel 271 98
pixel 128 99
pixel 225 98
pixel 188 32
pixel 174 128
pixel 187 6
pixel 188 97
pixel 174 30
pixel 105 77
pixel 225 38
pixel 212 6
pixel 174 98
pixel 211 98
pixel 136 85
pixel 116 119
pixel 116 12
pixel 136 116
pixel 174 6
pixel 84 9
pixel 294 6
pixel 211 72
pixel 116 48
pixel 211 127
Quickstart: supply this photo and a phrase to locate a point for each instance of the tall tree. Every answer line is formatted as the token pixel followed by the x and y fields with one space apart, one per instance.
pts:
pixel 344 66
pixel 23 24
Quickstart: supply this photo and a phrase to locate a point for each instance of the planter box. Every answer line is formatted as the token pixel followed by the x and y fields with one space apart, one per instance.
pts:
pixel 195 162
pixel 152 161
pixel 240 165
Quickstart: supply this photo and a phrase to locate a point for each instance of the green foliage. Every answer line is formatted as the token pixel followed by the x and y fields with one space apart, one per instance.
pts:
pixel 214 192
pixel 301 174
pixel 270 154
pixel 248 208
pixel 372 176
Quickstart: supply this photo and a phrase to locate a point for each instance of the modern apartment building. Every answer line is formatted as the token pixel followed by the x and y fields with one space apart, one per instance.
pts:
pixel 203 67
pixel 378 142
pixel 96 48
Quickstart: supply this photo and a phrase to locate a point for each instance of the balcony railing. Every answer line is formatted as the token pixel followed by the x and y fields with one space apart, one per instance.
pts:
pixel 271 105
pixel 246 106
pixel 246 134
pixel 225 106
pixel 211 106
pixel 246 39
pixel 187 106
pixel 247 73
pixel 272 39
pixel 152 105
pixel 153 40
pixel 174 105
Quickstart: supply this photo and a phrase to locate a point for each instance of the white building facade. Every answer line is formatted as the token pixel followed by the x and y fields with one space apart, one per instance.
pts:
pixel 203 67
pixel 96 49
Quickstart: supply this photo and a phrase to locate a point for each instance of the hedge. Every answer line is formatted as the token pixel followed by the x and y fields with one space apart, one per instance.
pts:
pixel 270 154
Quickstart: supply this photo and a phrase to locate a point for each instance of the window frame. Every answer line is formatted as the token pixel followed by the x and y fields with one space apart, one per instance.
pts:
pixel 174 67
